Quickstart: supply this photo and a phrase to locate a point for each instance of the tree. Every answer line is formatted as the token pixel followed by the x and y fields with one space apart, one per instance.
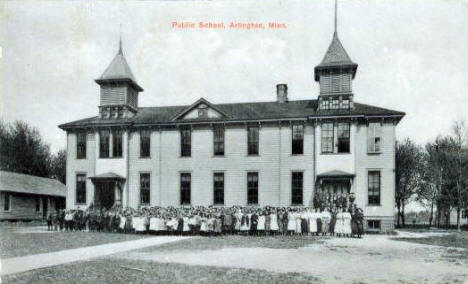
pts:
pixel 58 166
pixel 459 152
pixel 408 167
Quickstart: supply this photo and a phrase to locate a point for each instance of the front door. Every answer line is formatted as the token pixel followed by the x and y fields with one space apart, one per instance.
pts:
pixel 105 194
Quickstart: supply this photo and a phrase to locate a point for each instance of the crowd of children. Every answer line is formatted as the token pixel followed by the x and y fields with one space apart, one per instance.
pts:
pixel 200 220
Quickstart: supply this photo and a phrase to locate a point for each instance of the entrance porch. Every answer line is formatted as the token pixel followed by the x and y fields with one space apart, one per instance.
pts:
pixel 108 190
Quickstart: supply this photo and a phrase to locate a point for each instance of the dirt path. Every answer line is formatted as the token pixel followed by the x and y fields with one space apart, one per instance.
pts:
pixel 371 259
pixel 30 262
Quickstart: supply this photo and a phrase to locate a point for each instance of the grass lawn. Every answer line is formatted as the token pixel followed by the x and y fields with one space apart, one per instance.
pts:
pixel 454 239
pixel 108 270
pixel 236 241
pixel 14 242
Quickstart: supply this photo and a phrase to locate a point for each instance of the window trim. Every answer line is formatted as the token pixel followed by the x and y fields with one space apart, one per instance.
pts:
pixel 292 139
pixel 214 188
pixel 258 140
pixel 76 188
pixel 78 134
pixel 258 187
pixel 332 138
pixel 108 144
pixel 379 171
pixel 215 142
pixel 181 153
pixel 149 189
pixel 302 188
pixel 149 144
pixel 180 188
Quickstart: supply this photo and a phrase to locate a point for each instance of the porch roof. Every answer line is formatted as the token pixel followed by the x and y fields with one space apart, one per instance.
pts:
pixel 107 177
pixel 335 174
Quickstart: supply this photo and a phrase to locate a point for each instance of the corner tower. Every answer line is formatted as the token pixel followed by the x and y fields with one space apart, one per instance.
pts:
pixel 335 74
pixel 119 89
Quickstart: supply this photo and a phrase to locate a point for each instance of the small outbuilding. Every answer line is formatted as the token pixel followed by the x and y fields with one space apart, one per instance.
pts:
pixel 26 197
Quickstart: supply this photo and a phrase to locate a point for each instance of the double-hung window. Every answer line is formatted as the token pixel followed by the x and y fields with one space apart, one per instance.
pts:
pixel 117 144
pixel 185 188
pixel 297 182
pixel 327 137
pixel 145 188
pixel 81 145
pixel 145 142
pixel 218 188
pixel 373 185
pixel 80 188
pixel 218 140
pixel 104 137
pixel 252 188
pixel 185 142
pixel 297 139
pixel 343 137
pixel 374 137
pixel 252 137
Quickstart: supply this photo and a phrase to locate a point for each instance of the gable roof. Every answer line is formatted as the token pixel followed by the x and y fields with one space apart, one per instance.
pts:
pixel 194 105
pixel 118 70
pixel 256 111
pixel 22 183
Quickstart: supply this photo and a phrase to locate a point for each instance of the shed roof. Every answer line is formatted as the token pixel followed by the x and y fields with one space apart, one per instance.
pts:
pixel 22 183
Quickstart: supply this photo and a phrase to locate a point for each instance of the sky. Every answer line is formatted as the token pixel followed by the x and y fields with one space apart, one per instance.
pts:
pixel 412 56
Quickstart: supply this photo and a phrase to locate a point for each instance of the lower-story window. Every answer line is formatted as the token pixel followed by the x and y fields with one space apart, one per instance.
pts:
pixel 38 204
pixel 252 188
pixel 297 181
pixel 373 224
pixel 145 186
pixel 80 188
pixel 7 202
pixel 373 187
pixel 218 186
pixel 185 188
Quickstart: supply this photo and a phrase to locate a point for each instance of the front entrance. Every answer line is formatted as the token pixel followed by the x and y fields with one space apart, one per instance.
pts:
pixel 333 192
pixel 104 195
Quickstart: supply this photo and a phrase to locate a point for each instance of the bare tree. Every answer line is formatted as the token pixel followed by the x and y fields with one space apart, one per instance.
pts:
pixel 459 153
pixel 409 164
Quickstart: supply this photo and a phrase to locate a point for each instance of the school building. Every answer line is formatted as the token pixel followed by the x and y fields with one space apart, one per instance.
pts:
pixel 277 153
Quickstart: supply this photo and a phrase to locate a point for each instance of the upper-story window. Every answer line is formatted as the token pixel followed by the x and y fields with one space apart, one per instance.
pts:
pixel 185 142
pixel 104 136
pixel 81 145
pixel 297 139
pixel 218 141
pixel 374 137
pixel 327 137
pixel 343 137
pixel 117 144
pixel 252 140
pixel 145 142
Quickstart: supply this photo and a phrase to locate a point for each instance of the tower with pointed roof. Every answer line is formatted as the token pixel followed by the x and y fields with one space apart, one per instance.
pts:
pixel 119 89
pixel 335 74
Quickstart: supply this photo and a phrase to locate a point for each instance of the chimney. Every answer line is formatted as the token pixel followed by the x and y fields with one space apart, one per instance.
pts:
pixel 282 93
